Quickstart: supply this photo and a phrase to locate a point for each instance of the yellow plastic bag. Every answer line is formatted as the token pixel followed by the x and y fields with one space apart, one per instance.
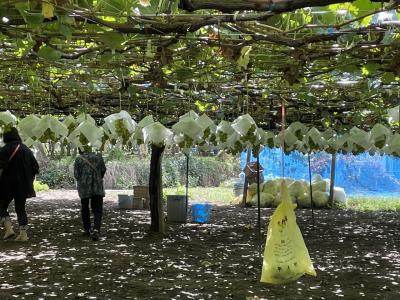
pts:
pixel 286 257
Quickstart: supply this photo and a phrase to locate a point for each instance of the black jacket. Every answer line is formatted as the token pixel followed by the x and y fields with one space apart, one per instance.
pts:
pixel 18 173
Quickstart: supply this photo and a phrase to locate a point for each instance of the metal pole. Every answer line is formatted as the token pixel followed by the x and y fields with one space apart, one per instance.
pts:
pixel 258 205
pixel 311 193
pixel 187 182
pixel 332 185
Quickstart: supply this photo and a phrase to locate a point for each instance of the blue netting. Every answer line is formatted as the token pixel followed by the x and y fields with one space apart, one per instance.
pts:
pixel 357 174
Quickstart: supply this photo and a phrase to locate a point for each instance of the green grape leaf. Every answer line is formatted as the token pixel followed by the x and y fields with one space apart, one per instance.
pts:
pixel 113 40
pixel 244 58
pixel 49 53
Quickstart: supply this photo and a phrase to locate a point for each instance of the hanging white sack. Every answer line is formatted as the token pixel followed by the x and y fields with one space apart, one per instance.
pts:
pixel 70 123
pixel 269 139
pixel 224 129
pixel 205 122
pixel 360 138
pixel 27 125
pixel 393 114
pixel 189 127
pixel 261 136
pixel 348 145
pixel 314 139
pixel 7 119
pixel 290 138
pixel 84 117
pixel 298 129
pixel 394 145
pixel 189 114
pixel 138 134
pixel 301 147
pixel 146 121
pixel 157 134
pixel 242 124
pixel 30 142
pixel 233 144
pixel 86 134
pixel 379 135
pixel 49 128
pixel 179 138
pixel 119 125
pixel 328 134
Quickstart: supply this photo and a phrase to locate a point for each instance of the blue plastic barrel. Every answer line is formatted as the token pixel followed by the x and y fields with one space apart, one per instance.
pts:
pixel 201 212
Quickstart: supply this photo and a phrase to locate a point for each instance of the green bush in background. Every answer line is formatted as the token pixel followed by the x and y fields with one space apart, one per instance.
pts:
pixel 40 187
pixel 124 171
pixel 57 174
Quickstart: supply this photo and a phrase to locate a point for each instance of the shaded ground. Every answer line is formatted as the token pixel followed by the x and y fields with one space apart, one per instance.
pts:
pixel 356 256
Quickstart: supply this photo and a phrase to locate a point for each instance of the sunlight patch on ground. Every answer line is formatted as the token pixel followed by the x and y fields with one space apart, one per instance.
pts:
pixel 12 256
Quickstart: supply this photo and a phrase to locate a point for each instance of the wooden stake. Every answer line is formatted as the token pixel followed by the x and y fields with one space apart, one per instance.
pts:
pixel 246 180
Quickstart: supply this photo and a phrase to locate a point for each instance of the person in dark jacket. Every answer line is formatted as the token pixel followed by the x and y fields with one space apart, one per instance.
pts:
pixel 89 170
pixel 19 168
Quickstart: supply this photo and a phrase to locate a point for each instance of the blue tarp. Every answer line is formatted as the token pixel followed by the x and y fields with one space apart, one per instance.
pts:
pixel 357 174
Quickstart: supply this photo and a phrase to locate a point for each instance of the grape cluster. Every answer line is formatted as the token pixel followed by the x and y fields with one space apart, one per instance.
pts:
pixel 298 134
pixel 5 127
pixel 71 127
pixel 213 139
pixel 250 136
pixel 104 140
pixel 237 148
pixel 122 131
pixel 357 149
pixel 256 149
pixel 48 135
pixel 270 142
pixel 330 150
pixel 380 143
pixel 83 140
pixel 206 133
pixel 223 137
pixel 186 143
pixel 312 145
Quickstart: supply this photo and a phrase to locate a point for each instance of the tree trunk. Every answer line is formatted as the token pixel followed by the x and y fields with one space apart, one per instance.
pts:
pixel 155 189
pixel 246 180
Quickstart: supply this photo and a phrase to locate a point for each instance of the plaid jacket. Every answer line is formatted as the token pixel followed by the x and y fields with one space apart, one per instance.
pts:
pixel 89 170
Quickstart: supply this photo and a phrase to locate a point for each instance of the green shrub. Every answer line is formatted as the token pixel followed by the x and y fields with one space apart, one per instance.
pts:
pixel 57 174
pixel 40 187
pixel 125 173
pixel 203 171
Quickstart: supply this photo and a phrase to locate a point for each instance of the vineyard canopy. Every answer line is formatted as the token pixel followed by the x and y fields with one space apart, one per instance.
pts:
pixel 334 63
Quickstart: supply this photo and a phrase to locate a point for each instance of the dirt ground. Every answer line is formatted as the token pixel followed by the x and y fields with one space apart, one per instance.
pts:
pixel 356 256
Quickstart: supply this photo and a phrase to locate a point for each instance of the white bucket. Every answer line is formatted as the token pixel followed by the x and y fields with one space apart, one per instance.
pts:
pixel 125 201
pixel 176 208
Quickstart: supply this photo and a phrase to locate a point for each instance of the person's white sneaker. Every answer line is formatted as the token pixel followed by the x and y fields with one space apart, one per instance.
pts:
pixel 22 236
pixel 8 228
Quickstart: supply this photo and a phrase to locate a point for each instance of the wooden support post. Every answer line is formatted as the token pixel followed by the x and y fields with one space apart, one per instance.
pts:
pixel 246 180
pixel 332 185
pixel 155 189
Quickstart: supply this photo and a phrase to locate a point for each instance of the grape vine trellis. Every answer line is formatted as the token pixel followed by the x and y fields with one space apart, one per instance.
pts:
pixel 336 63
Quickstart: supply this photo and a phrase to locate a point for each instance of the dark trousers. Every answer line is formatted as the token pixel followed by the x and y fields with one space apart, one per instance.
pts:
pixel 19 209
pixel 96 202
